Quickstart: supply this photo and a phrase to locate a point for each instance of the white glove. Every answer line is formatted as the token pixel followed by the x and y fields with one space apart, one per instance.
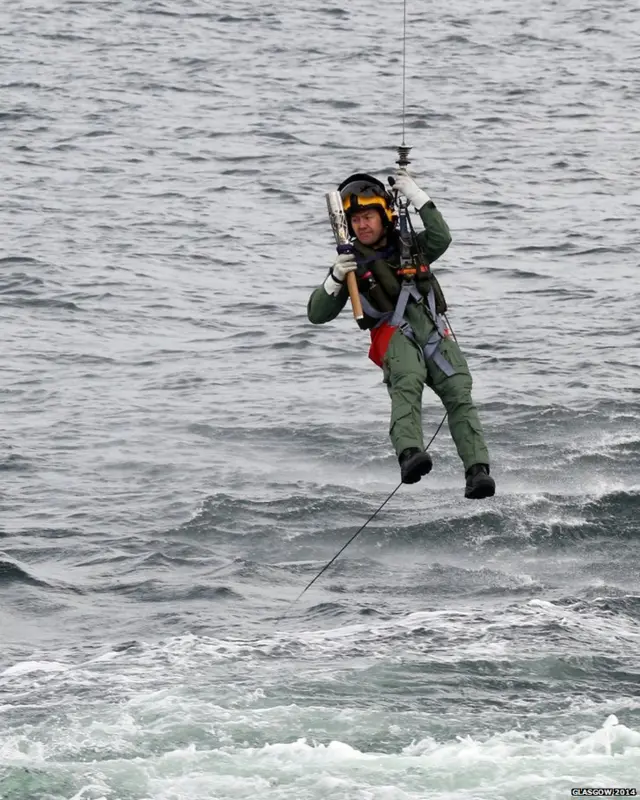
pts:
pixel 410 189
pixel 342 266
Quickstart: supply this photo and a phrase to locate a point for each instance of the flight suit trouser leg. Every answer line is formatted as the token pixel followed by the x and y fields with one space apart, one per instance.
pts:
pixel 455 393
pixel 405 374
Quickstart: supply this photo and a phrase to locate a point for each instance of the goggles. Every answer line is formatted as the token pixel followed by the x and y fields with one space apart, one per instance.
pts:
pixel 362 189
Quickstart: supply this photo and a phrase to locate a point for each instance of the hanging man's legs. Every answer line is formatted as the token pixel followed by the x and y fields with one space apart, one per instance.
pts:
pixel 405 374
pixel 464 424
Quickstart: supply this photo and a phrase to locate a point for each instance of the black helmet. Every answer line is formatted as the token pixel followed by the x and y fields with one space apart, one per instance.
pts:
pixel 362 191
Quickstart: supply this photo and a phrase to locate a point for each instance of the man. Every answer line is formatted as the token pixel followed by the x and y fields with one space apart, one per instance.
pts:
pixel 404 312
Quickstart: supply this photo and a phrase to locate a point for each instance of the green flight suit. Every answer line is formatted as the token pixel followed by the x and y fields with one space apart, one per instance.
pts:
pixel 405 370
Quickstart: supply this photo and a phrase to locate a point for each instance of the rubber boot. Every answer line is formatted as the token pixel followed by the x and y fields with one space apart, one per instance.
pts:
pixel 479 483
pixel 414 463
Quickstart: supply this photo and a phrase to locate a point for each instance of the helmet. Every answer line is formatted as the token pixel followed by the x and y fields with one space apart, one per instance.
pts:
pixel 362 191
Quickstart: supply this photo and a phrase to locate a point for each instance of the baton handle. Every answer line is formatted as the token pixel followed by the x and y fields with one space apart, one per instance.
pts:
pixel 354 294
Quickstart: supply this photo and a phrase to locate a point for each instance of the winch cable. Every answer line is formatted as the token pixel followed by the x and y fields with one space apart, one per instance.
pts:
pixel 404 62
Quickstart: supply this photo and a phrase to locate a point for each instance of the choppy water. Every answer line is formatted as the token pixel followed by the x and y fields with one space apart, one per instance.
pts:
pixel 181 450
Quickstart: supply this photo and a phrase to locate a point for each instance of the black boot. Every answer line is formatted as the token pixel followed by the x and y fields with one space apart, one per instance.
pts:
pixel 414 463
pixel 479 482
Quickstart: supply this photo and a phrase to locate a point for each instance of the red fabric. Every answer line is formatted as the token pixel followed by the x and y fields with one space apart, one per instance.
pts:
pixel 380 338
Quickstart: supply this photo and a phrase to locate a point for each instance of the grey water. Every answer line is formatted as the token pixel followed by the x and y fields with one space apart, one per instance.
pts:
pixel 181 450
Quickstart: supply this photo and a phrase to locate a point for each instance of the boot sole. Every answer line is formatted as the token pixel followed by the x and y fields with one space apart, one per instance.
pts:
pixel 486 488
pixel 415 473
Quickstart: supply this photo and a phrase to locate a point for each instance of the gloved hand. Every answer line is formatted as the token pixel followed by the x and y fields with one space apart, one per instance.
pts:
pixel 410 189
pixel 342 266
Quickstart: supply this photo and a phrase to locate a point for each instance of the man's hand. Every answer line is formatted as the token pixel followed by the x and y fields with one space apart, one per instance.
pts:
pixel 406 186
pixel 342 266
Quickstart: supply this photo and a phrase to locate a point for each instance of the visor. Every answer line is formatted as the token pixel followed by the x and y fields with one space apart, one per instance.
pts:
pixel 362 189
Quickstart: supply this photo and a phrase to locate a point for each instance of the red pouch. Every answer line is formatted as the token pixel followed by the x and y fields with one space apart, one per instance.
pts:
pixel 380 338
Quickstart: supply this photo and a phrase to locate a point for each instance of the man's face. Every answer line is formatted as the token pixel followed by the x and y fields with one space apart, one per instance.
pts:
pixel 367 226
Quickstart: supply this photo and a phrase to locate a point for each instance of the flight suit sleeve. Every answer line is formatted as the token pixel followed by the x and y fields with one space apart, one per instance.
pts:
pixel 323 307
pixel 435 238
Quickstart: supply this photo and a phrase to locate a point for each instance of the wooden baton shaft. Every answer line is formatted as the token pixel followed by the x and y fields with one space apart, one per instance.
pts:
pixel 352 286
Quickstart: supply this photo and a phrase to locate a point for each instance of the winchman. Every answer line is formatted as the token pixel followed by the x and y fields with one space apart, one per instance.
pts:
pixel 404 310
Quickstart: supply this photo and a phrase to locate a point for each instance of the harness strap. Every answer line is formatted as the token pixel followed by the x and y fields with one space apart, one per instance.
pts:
pixel 437 318
pixel 370 311
pixel 396 319
pixel 431 350
pixel 408 290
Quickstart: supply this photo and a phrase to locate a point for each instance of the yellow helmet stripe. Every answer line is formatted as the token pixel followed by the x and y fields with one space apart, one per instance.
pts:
pixel 369 201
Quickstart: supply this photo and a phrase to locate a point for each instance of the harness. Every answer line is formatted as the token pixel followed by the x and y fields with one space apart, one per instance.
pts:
pixel 410 269
pixel 395 319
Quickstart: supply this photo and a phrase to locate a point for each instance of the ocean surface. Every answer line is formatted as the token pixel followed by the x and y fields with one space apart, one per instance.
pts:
pixel 181 450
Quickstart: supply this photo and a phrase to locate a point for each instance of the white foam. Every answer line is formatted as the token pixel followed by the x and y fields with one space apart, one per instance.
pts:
pixel 511 764
pixel 26 667
pixel 92 792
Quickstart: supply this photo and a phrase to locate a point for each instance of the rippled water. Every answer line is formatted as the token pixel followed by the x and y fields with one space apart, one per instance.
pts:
pixel 181 451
